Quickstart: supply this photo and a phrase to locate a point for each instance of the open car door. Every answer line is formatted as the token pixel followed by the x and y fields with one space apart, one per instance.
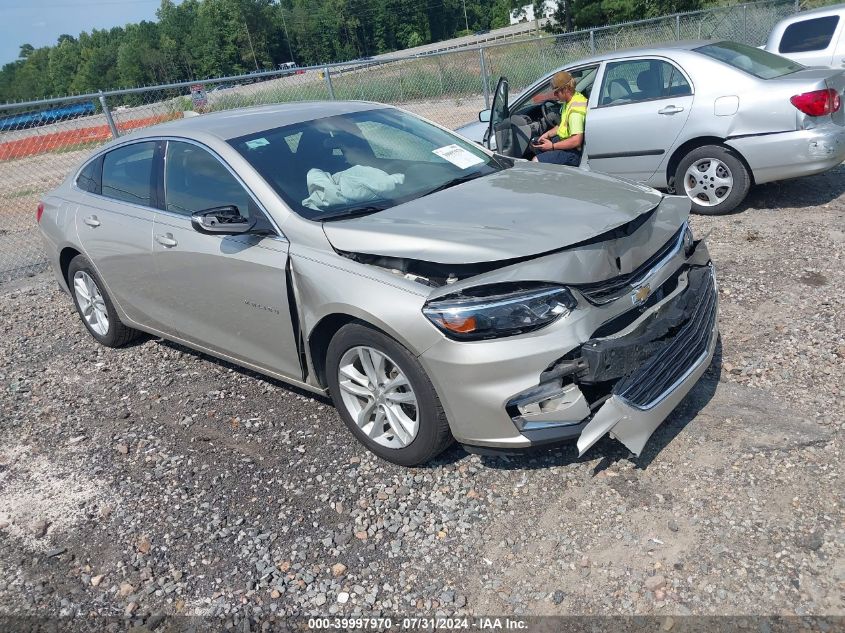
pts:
pixel 508 135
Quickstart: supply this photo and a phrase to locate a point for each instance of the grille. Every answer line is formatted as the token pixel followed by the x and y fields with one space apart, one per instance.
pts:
pixel 657 376
pixel 603 292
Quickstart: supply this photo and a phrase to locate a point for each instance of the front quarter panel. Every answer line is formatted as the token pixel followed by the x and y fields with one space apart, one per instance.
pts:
pixel 328 284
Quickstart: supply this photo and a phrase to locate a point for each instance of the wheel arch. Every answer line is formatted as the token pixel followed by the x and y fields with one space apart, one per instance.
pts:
pixel 320 335
pixel 65 257
pixel 686 147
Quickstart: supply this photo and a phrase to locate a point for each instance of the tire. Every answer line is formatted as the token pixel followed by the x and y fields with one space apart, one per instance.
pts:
pixel 82 280
pixel 698 176
pixel 392 428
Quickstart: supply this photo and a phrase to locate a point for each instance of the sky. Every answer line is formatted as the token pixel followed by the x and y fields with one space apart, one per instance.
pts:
pixel 40 22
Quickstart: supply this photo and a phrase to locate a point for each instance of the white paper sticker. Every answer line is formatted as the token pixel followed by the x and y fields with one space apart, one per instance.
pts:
pixel 257 142
pixel 458 156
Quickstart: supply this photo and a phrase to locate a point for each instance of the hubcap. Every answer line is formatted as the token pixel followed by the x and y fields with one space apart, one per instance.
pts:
pixel 708 182
pixel 91 302
pixel 379 397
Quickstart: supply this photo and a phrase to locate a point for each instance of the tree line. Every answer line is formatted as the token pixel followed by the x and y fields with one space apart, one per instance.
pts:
pixel 198 39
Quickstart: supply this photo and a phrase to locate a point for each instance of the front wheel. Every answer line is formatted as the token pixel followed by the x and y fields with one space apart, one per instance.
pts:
pixel 713 178
pixel 385 397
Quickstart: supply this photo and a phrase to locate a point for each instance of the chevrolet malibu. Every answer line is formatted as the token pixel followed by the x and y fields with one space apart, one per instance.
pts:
pixel 435 290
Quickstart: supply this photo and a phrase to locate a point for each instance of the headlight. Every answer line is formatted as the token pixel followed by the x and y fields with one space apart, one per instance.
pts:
pixel 689 242
pixel 499 310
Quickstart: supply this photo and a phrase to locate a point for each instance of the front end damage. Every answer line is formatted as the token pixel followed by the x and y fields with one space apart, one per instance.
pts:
pixel 628 377
pixel 618 370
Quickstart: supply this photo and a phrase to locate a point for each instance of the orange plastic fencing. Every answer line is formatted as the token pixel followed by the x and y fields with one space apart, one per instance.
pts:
pixel 42 144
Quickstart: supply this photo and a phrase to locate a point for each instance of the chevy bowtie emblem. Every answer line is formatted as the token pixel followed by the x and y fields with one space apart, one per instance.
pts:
pixel 640 295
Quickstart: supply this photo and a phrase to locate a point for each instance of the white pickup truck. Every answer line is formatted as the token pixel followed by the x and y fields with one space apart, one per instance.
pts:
pixel 812 38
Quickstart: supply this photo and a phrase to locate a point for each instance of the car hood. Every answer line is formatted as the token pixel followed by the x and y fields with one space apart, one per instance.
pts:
pixel 473 131
pixel 522 211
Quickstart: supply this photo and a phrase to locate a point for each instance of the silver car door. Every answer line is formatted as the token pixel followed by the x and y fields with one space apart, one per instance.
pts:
pixel 227 293
pixel 114 222
pixel 636 116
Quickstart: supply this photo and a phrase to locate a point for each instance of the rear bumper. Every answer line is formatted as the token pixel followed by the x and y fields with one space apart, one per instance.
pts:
pixel 792 154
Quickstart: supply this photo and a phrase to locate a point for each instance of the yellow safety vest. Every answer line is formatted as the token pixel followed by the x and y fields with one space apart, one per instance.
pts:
pixel 578 103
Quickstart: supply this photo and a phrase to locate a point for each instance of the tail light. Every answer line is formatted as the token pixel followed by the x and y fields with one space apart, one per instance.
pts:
pixel 39 212
pixel 818 102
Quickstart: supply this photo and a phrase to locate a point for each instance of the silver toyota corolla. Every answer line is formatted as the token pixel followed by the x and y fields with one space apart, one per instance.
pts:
pixel 437 291
pixel 705 119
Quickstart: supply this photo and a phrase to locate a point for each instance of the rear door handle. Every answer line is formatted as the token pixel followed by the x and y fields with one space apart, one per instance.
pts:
pixel 92 221
pixel 166 240
pixel 670 109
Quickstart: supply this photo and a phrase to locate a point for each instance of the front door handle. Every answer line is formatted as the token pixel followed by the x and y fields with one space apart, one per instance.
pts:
pixel 92 221
pixel 670 109
pixel 166 240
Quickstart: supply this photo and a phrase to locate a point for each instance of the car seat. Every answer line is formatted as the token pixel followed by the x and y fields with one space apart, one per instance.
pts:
pixel 617 91
pixel 650 84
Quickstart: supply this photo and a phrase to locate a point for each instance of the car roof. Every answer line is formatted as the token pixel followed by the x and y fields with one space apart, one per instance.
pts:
pixel 228 124
pixel 836 9
pixel 664 50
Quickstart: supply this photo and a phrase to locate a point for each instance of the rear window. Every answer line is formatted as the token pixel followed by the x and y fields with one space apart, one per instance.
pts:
pixel 753 61
pixel 808 35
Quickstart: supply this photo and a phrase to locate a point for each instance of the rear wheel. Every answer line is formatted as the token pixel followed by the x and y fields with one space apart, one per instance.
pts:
pixel 384 396
pixel 713 178
pixel 94 305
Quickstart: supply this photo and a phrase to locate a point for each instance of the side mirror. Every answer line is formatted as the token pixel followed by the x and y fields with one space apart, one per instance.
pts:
pixel 221 221
pixel 484 116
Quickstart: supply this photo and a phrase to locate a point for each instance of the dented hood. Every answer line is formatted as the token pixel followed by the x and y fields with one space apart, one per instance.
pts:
pixel 528 209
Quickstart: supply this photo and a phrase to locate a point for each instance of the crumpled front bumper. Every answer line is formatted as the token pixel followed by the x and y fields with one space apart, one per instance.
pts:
pixel 623 379
pixel 643 399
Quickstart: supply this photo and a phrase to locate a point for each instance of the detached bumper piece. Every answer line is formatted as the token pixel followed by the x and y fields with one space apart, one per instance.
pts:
pixel 627 379
pixel 668 368
pixel 642 399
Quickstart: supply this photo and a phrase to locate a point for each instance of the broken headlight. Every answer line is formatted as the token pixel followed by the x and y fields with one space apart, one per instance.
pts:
pixel 498 310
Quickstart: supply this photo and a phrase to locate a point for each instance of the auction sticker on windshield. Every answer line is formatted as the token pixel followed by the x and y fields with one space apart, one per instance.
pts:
pixel 458 156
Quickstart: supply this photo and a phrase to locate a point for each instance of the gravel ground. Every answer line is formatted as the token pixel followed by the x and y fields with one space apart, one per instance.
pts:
pixel 155 480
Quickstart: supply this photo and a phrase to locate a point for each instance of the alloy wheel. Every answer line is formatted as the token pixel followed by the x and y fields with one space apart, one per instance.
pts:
pixel 378 396
pixel 91 302
pixel 708 182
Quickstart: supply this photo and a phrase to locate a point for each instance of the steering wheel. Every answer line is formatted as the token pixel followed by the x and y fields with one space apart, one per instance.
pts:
pixel 551 114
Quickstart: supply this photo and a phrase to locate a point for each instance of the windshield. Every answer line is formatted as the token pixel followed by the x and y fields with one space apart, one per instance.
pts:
pixel 361 163
pixel 754 61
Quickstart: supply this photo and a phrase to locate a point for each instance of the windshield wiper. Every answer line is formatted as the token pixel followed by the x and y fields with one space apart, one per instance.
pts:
pixel 455 181
pixel 348 213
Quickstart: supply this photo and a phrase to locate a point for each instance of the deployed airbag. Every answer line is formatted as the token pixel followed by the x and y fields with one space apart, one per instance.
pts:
pixel 356 184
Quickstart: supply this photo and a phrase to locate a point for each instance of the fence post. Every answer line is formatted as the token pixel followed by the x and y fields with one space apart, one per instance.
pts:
pixel 440 74
pixel 484 83
pixel 327 74
pixel 678 26
pixel 592 41
pixel 745 24
pixel 109 118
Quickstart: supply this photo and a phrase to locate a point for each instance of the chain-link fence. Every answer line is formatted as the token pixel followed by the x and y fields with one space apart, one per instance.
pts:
pixel 40 142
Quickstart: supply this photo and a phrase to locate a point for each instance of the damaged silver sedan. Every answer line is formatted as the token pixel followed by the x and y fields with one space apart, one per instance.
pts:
pixel 436 291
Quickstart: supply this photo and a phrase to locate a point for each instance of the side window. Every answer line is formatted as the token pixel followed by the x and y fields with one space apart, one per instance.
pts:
pixel 641 80
pixel 194 180
pixel 89 178
pixel 584 78
pixel 128 173
pixel 808 35
pixel 674 82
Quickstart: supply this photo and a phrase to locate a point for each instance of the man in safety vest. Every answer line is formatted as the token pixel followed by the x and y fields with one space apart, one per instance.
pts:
pixel 562 145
